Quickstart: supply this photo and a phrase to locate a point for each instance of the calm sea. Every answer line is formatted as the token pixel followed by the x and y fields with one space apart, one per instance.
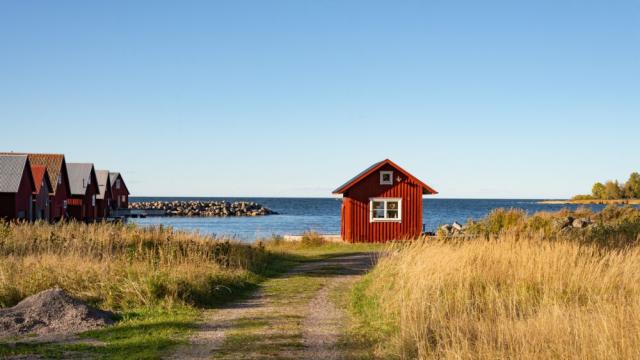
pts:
pixel 297 215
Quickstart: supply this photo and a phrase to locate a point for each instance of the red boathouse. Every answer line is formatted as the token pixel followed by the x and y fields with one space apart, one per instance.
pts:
pixel 103 197
pixel 382 203
pixel 84 187
pixel 41 201
pixel 58 178
pixel 16 187
pixel 119 191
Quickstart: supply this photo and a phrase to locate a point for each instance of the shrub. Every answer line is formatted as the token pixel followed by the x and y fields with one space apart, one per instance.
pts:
pixel 614 226
pixel 312 238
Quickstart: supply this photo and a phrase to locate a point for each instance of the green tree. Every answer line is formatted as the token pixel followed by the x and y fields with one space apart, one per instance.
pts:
pixel 632 186
pixel 598 190
pixel 612 190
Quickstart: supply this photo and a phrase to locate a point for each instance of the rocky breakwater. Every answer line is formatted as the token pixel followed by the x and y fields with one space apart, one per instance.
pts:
pixel 204 208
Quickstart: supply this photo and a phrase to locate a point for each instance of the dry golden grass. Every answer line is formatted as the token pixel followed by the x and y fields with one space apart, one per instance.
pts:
pixel 509 299
pixel 120 266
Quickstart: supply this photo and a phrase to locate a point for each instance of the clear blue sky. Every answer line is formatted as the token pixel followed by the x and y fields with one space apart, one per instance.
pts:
pixel 499 99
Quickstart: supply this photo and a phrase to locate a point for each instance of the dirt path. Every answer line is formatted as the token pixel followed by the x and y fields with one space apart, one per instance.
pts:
pixel 291 317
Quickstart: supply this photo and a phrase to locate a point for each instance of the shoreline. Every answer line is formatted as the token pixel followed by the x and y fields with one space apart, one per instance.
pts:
pixel 591 202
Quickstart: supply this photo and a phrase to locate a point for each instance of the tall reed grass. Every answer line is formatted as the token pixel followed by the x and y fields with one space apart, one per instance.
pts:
pixel 120 266
pixel 509 298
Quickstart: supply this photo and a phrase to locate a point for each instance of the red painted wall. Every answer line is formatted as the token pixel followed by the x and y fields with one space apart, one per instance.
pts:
pixel 356 225
pixel 103 206
pixel 57 201
pixel 81 206
pixel 41 202
pixel 7 206
pixel 90 208
pixel 119 197
pixel 24 195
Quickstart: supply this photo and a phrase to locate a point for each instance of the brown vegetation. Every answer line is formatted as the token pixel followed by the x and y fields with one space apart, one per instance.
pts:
pixel 517 288
pixel 120 266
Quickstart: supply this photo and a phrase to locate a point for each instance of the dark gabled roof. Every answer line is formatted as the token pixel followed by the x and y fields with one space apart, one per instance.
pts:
pixel 11 169
pixel 80 176
pixel 103 183
pixel 426 189
pixel 53 162
pixel 112 180
pixel 40 176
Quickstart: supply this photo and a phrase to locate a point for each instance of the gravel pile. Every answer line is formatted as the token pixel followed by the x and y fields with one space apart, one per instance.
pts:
pixel 51 311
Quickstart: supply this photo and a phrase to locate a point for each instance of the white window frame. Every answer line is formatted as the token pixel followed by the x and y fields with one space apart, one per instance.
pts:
pixel 93 200
pixel 382 174
pixel 385 219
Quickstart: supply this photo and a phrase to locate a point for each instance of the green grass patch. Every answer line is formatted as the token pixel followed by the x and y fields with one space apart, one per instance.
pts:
pixel 277 329
pixel 317 250
pixel 145 333
pixel 367 329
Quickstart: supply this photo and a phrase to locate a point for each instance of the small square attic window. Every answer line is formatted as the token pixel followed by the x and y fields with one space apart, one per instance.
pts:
pixel 386 177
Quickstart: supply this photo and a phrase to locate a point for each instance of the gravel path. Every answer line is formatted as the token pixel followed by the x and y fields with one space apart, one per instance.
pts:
pixel 291 317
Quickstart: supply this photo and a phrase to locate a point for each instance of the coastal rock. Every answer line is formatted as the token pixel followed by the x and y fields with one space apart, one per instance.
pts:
pixel 204 208
pixel 580 223
pixel 452 229
pixel 457 226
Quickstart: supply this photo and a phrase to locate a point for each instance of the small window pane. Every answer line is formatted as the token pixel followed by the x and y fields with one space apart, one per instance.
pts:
pixel 392 205
pixel 377 210
pixel 392 214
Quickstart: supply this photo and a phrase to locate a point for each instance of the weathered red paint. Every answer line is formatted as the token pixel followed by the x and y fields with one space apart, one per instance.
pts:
pixel 103 205
pixel 40 209
pixel 119 193
pixel 59 179
pixel 83 207
pixel 61 194
pixel 356 223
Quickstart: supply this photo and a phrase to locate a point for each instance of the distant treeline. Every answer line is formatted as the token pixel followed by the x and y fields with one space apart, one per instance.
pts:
pixel 613 190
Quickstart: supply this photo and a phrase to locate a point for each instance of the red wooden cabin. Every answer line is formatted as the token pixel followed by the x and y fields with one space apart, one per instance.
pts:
pixel 382 203
pixel 59 179
pixel 119 191
pixel 103 197
pixel 16 187
pixel 84 187
pixel 41 201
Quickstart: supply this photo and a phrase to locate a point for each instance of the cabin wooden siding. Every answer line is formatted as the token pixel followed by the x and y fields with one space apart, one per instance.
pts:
pixel 356 224
pixel 81 207
pixel 102 207
pixel 119 195
pixel 41 204
pixel 41 199
pixel 61 195
pixel 84 206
